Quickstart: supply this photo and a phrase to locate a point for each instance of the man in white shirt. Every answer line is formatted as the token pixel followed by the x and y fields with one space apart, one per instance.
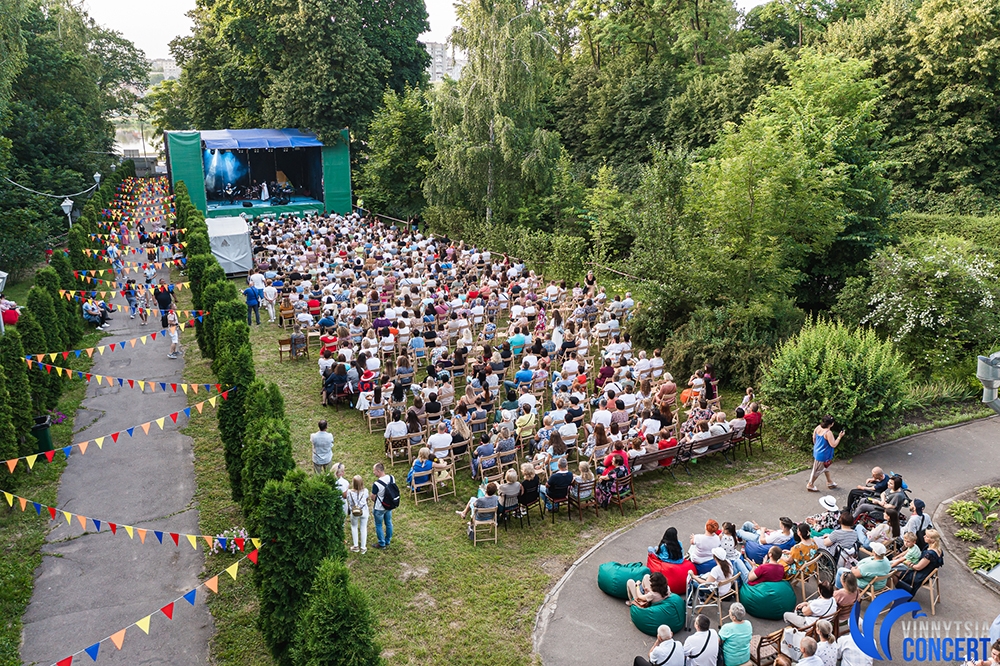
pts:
pixel 808 648
pixel 702 647
pixel 440 442
pixel 665 651
pixel 602 415
pixel 850 653
pixel 322 449
pixel 396 427
pixel 526 398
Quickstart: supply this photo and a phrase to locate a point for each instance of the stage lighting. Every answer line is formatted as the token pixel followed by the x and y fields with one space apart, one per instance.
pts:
pixel 212 151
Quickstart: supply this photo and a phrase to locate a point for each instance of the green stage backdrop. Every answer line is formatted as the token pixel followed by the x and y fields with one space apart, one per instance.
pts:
pixel 184 156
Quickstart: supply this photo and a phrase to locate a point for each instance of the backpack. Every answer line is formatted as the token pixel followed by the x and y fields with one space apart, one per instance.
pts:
pixel 390 497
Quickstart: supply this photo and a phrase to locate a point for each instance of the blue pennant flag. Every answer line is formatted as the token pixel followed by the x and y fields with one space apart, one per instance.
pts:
pixel 38 508
pixel 159 536
pixel 77 352
pixel 208 387
pixel 189 597
pixel 92 651
pixel 129 431
pixel 222 542
pixel 187 412
pixel 79 374
pixel 163 386
pixel 97 524
pixel 67 450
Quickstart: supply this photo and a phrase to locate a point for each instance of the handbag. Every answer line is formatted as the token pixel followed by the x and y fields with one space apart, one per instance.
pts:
pixel 355 508
pixel 790 640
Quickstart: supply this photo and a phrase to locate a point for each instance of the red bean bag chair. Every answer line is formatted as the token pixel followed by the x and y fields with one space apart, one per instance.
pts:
pixel 10 317
pixel 676 574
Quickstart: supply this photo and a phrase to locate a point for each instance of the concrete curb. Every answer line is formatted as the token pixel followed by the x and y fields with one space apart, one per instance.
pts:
pixel 548 604
pixel 983 580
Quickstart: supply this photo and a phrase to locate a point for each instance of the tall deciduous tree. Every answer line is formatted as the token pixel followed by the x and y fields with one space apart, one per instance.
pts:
pixel 492 149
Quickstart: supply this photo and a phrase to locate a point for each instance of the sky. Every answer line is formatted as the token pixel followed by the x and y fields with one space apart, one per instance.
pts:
pixel 151 25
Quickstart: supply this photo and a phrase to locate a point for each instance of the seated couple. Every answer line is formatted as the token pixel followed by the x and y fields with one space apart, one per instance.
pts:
pixel 826 605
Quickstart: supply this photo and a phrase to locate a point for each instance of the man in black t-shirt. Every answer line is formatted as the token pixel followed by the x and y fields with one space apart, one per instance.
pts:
pixel 558 486
pixel 164 297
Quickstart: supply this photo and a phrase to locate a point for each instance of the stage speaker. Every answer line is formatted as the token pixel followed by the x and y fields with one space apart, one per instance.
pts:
pixel 248 204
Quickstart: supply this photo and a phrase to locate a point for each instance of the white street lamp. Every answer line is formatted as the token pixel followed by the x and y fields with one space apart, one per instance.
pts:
pixel 97 178
pixel 988 372
pixel 67 206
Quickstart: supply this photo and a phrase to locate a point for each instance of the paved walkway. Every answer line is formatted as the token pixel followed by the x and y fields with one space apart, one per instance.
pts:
pixel 91 585
pixel 936 465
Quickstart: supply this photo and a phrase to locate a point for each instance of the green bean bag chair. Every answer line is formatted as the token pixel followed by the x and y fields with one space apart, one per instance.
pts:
pixel 670 611
pixel 768 601
pixel 612 577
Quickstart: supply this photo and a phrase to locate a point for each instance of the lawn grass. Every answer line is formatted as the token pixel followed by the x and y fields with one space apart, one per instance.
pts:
pixel 437 598
pixel 22 534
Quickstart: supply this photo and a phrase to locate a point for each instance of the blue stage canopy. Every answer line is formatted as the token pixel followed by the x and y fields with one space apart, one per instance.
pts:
pixel 258 138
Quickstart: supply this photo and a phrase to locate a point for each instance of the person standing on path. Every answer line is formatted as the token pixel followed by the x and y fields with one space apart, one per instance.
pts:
pixel 322 446
pixel 173 330
pixel 824 445
pixel 382 513
pixel 164 297
pixel 252 295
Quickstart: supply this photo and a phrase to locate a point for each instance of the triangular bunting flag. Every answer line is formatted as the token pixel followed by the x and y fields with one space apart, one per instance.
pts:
pixel 48 455
pixel 11 464
pixel 97 524
pixel 143 624
pixel 194 387
pixel 255 542
pixel 23 502
pixel 114 527
pixel 83 446
pixel 142 534
pixel 82 520
pixel 192 541
pixel 145 427
pixel 198 405
pixel 118 638
pixel 184 387
pixel 187 410
pixel 213 584
pixel 212 400
pixel 67 450
pixel 160 421
pixel 222 542
pixel 68 661
pixel 189 597
pixel 129 529
pixel 252 555
pixel 173 417
pixel 168 610
pixel 130 431
pixel 159 535
pixel 142 385
pixel 176 538
pixel 93 650
pixel 68 516
pixel 10 498
pixel 239 542
pixel 208 540
pixel 31 460
pixel 52 512
pixel 233 569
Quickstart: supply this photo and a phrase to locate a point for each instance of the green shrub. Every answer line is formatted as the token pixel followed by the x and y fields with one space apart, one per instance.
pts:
pixel 238 371
pixel 829 369
pixel 18 389
pixel 231 335
pixel 963 511
pixel 302 523
pixel 197 243
pixel 965 534
pixel 9 445
pixel 266 455
pixel 983 558
pixel 940 392
pixel 51 318
pixel 988 493
pixel 215 292
pixel 979 230
pixel 45 388
pixel 337 626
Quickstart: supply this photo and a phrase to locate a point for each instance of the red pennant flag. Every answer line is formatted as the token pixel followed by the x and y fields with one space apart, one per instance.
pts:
pixel 131 383
pixel 48 368
pixel 253 556
pixel 114 528
pixel 52 512
pixel 174 387
pixel 239 543
pixel 65 355
pixel 112 346
pixel 114 437
pixel 225 395
pixel 88 376
pixel 49 454
pixel 153 335
pixel 175 537
pixel 218 387
pixel 168 610
pixel 65 662
pixel 173 417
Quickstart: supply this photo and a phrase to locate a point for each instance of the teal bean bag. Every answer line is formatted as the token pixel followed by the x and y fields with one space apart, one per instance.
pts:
pixel 670 612
pixel 612 577
pixel 768 601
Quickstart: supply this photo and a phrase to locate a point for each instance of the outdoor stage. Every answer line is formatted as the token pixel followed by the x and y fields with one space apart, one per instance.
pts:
pixel 298 204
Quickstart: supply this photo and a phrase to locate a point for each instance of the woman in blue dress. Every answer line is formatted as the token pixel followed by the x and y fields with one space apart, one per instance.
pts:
pixel 824 444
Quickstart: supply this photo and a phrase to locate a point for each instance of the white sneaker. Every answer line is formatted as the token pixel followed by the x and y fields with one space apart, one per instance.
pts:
pixel 171 355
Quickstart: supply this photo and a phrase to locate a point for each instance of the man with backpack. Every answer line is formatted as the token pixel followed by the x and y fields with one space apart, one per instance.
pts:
pixel 385 495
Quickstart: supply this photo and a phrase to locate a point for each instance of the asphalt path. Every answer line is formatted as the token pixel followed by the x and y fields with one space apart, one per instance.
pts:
pixel 90 585
pixel 580 624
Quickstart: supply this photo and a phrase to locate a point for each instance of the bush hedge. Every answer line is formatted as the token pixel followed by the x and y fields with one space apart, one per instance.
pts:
pixel 828 368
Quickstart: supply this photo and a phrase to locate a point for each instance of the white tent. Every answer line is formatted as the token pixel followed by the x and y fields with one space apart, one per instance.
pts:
pixel 229 238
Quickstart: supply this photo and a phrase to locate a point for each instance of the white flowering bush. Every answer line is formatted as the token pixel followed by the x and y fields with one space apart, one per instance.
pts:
pixel 936 298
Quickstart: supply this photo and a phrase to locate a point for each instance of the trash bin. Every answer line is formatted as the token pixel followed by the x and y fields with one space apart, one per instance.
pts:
pixel 43 433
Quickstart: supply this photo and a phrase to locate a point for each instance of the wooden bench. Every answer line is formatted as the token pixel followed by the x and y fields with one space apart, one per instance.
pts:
pixel 649 462
pixel 706 447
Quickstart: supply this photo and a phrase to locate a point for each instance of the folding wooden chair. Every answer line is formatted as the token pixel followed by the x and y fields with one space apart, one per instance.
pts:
pixel 396 447
pixel 427 487
pixel 626 492
pixel 284 347
pixel 582 496
pixel 484 521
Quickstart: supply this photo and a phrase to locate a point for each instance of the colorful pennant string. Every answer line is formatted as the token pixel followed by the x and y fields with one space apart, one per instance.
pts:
pixel 48 456
pixel 101 349
pixel 140 384
pixel 118 638
pixel 55 513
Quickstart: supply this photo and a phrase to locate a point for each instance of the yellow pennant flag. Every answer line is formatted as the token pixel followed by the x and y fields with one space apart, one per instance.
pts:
pixel 256 543
pixel 184 387
pixel 145 427
pixel 232 570
pixel 129 529
pixel 181 326
pixel 82 520
pixel 213 584
pixel 98 378
pixel 68 516
pixel 101 350
pixel 212 400
pixel 143 624
pixel 31 461
pixel 10 498
pixel 143 338
pixel 52 356
pixel 159 422
pixel 193 541
pixel 142 385
pixel 142 534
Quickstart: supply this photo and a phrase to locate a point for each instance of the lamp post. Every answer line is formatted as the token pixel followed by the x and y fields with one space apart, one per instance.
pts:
pixel 988 372
pixel 97 178
pixel 67 206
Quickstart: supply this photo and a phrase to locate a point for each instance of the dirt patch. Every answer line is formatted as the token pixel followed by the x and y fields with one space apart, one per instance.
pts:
pixel 406 572
pixel 554 567
pixel 423 601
